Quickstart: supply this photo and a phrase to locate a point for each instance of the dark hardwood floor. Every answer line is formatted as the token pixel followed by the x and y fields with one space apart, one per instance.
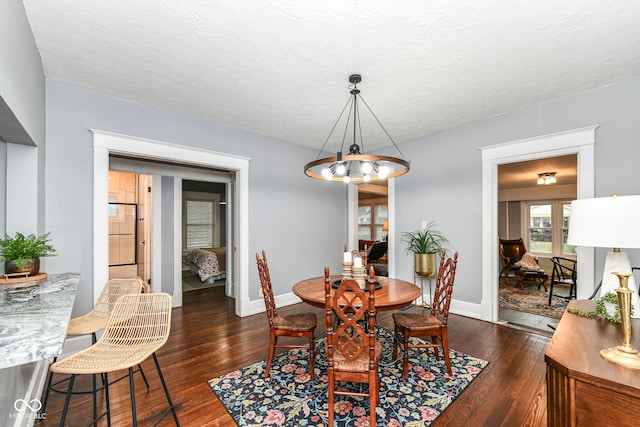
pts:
pixel 208 340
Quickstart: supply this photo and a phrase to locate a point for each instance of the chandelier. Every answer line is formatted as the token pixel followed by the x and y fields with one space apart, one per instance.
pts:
pixel 546 178
pixel 354 165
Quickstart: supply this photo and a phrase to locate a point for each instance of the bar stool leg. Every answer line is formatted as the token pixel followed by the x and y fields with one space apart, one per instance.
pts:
pixel 66 400
pixel 95 402
pixel 45 399
pixel 132 391
pixel 166 390
pixel 105 379
pixel 144 377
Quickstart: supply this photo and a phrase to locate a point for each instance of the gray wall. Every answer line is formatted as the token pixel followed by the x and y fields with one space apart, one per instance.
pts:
pixel 167 201
pixel 514 220
pixel 444 183
pixel 22 86
pixel 300 222
pixel 3 189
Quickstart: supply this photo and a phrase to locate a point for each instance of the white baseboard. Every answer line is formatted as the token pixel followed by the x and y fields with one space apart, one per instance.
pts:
pixel 461 308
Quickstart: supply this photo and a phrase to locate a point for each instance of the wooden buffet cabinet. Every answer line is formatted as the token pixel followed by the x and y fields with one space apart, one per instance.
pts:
pixel 582 387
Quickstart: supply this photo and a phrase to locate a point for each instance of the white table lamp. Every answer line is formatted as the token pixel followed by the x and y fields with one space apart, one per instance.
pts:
pixel 612 222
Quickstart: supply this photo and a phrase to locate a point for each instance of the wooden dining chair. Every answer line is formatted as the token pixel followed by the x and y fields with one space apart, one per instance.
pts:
pixel 353 352
pixel 301 325
pixel 433 325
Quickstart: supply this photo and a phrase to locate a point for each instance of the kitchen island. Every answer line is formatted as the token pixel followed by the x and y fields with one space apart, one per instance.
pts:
pixel 33 324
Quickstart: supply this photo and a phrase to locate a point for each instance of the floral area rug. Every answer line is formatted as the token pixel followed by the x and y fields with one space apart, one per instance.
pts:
pixel 291 398
pixel 533 301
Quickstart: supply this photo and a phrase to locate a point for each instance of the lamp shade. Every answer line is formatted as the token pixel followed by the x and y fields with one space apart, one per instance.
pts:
pixel 385 226
pixel 607 222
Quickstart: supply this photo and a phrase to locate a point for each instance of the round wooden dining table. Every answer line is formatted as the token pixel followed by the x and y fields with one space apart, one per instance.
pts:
pixel 393 294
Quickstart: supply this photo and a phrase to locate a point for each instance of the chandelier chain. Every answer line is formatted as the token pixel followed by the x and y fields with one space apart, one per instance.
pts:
pixel 333 128
pixel 383 128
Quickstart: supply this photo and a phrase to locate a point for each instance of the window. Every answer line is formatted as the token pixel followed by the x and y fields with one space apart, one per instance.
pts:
pixel 200 220
pixel 370 221
pixel 547 226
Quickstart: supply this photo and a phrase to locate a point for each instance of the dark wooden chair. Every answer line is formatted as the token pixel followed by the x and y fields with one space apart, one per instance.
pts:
pixel 564 273
pixel 353 352
pixel 511 252
pixel 373 258
pixel 301 325
pixel 433 325
pixel 377 251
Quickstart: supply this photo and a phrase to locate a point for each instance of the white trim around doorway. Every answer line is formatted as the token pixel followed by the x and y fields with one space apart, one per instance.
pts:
pixel 106 143
pixel 578 141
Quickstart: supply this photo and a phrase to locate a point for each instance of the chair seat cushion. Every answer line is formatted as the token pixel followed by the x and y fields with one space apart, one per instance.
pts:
pixel 416 322
pixel 361 364
pixel 296 322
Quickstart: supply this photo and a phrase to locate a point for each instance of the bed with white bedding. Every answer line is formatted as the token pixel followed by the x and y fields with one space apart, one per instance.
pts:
pixel 208 263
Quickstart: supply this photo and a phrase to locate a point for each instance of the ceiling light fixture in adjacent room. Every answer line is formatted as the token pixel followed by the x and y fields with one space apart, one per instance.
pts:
pixel 354 165
pixel 546 178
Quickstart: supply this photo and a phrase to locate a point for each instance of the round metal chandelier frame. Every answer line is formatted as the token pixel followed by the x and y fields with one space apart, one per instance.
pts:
pixel 354 166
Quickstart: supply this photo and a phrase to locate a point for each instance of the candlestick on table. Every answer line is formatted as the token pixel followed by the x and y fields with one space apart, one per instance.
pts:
pixel 347 270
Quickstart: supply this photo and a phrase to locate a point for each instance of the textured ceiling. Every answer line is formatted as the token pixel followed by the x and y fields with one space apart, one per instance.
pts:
pixel 280 67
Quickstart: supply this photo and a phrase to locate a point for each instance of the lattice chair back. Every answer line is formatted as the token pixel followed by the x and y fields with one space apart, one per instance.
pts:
pixel 444 287
pixel 267 289
pixel 352 308
pixel 112 291
pixel 142 321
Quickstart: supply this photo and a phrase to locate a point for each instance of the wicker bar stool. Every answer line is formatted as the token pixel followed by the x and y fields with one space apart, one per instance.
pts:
pixel 138 326
pixel 95 321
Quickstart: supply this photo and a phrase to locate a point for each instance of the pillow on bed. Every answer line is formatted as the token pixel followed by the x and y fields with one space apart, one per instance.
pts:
pixel 528 262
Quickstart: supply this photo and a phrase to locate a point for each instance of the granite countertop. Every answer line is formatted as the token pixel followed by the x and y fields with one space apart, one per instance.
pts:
pixel 33 320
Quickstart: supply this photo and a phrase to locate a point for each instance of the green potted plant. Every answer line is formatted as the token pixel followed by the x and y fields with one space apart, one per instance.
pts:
pixel 425 244
pixel 22 253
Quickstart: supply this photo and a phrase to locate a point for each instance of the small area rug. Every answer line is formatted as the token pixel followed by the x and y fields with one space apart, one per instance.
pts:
pixel 532 301
pixel 291 398
pixel 192 283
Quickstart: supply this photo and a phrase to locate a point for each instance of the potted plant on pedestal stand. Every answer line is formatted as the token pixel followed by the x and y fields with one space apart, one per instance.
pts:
pixel 22 253
pixel 425 244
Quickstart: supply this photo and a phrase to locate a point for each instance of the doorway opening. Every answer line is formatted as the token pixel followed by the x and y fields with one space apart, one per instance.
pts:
pixel 580 142
pixel 537 214
pixel 353 241
pixel 373 224
pixel 130 225
pixel 167 251
pixel 204 236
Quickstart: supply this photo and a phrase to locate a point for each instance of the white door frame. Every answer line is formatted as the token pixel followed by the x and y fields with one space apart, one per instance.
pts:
pixel 577 141
pixel 105 143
